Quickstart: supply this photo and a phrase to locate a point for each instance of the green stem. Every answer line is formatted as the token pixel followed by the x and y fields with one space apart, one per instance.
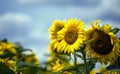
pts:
pixel 75 60
pixel 85 62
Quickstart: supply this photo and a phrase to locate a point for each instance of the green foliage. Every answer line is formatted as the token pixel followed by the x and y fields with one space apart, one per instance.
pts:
pixel 4 69
pixel 9 60
pixel 24 67
pixel 77 68
pixel 7 54
pixel 31 70
pixel 115 30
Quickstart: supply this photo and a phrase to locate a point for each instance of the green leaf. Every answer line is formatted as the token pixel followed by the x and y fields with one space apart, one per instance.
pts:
pixel 63 57
pixel 4 69
pixel 20 48
pixel 115 30
pixel 77 68
pixel 30 70
pixel 59 72
pixel 91 64
pixel 7 54
pixel 93 59
pixel 22 64
pixel 33 70
pixel 80 56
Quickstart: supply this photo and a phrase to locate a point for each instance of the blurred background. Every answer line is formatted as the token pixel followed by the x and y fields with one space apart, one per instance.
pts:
pixel 27 21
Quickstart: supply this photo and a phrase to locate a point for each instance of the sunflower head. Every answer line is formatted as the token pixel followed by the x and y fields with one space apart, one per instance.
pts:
pixel 71 36
pixel 31 59
pixel 11 64
pixel 57 25
pixel 103 43
pixel 7 46
pixel 58 66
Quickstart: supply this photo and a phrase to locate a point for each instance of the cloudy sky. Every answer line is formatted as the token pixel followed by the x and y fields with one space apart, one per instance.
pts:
pixel 27 21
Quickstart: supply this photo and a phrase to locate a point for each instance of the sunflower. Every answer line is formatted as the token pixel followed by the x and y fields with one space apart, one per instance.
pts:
pixel 102 43
pixel 31 59
pixel 93 71
pixel 11 64
pixel 53 46
pixel 71 37
pixel 8 48
pixel 56 27
pixel 58 66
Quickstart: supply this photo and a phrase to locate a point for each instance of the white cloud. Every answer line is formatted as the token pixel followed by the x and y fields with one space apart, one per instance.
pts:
pixel 58 2
pixel 41 1
pixel 111 5
pixel 14 19
pixel 14 26
pixel 27 1
pixel 19 20
pixel 39 31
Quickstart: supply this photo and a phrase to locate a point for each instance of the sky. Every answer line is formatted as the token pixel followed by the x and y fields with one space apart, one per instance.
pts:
pixel 27 21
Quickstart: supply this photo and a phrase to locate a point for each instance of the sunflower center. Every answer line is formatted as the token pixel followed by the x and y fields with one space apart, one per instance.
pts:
pixel 101 43
pixel 60 27
pixel 71 36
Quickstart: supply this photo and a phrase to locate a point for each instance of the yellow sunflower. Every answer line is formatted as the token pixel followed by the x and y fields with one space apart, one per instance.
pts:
pixel 56 27
pixel 57 66
pixel 102 43
pixel 7 46
pixel 31 59
pixel 71 37
pixel 53 46
pixel 93 72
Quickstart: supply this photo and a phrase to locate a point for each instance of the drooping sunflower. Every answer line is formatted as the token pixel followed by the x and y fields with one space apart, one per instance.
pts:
pixel 102 43
pixel 71 37
pixel 57 25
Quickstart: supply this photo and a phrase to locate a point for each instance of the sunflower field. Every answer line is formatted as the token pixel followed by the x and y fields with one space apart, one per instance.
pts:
pixel 73 49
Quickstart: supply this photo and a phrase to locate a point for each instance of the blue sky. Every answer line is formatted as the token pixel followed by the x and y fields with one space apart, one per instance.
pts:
pixel 27 21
